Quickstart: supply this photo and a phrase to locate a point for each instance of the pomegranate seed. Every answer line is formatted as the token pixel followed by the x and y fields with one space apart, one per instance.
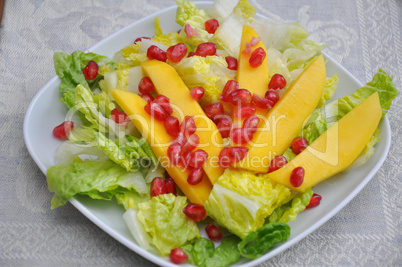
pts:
pixel 172 126
pixel 190 31
pixel 174 153
pixel 206 49
pixel 192 142
pixel 257 57
pixel 297 176
pixel 191 54
pixel 155 110
pixel 91 70
pixel 177 52
pixel 139 39
pixel 155 52
pixel 195 176
pixel 211 25
pixel 146 86
pixel 314 201
pixel 197 158
pixel 158 187
pixel 180 139
pixel 164 102
pixel 214 110
pixel 244 111
pixel 232 62
pixel 178 256
pixel 273 96
pixel 213 232
pixel 299 144
pixel 188 126
pixel 195 212
pixel 237 153
pixel 224 125
pixel 276 163
pixel 170 186
pixel 185 160
pixel 119 116
pixel 63 130
pixel 230 86
pixel 196 93
pixel 239 96
pixel 147 97
pixel 277 82
pixel 261 102
pixel 224 159
pixel 251 123
pixel 240 136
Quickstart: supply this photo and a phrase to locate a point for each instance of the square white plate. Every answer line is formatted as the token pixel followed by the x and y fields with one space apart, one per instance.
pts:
pixel 45 112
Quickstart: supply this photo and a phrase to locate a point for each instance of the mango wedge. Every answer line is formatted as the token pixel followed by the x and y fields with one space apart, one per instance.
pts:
pixel 154 132
pixel 285 120
pixel 336 149
pixel 167 82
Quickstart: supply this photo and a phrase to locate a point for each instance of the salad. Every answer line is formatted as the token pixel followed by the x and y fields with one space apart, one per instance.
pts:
pixel 174 128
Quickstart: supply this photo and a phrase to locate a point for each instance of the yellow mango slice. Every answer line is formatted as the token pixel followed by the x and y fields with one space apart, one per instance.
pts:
pixel 336 149
pixel 285 120
pixel 154 132
pixel 168 83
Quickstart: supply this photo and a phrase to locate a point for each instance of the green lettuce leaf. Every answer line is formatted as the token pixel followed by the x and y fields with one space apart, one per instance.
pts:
pixel 329 90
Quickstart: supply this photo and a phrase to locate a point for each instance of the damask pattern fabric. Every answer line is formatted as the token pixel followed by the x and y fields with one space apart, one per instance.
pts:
pixel 364 35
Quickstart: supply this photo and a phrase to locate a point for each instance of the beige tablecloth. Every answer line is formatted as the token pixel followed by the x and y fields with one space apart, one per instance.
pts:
pixel 363 35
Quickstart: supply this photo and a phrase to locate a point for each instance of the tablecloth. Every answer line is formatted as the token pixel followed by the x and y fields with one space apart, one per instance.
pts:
pixel 364 35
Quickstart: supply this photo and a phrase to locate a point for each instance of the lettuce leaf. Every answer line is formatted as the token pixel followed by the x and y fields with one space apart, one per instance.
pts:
pixel 331 84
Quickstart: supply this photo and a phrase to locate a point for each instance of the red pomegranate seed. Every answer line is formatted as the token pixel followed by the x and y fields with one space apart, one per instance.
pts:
pixel 155 110
pixel 224 159
pixel 239 96
pixel 185 160
pixel 170 186
pixel 214 110
pixel 177 52
pixel 230 86
pixel 188 126
pixel 195 176
pixel 206 49
pixel 178 256
pixel 232 62
pixel 272 96
pixel 314 201
pixel 91 70
pixel 155 52
pixel 276 163
pixel 192 142
pixel 244 111
pixel 63 130
pixel 172 126
pixel 164 102
pixel 297 176
pixel 277 82
pixel 261 102
pixel 251 123
pixel 119 116
pixel 237 153
pixel 224 125
pixel 299 144
pixel 190 31
pixel 180 139
pixel 195 212
pixel 240 136
pixel 214 234
pixel 146 86
pixel 139 39
pixel 257 57
pixel 196 93
pixel 197 158
pixel 174 153
pixel 191 54
pixel 211 25
pixel 147 97
pixel 158 187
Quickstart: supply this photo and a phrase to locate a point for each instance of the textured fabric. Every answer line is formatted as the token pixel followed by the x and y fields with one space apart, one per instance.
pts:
pixel 363 35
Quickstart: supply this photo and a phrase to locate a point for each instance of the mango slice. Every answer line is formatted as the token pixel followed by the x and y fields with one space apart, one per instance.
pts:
pixel 285 120
pixel 154 132
pixel 168 83
pixel 336 149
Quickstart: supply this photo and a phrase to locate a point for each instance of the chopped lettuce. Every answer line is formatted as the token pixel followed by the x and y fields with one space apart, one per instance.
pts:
pixel 222 8
pixel 331 84
pixel 132 54
pixel 124 79
pixel 163 219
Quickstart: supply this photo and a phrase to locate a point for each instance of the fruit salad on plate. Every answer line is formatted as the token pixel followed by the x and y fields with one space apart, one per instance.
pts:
pixel 226 124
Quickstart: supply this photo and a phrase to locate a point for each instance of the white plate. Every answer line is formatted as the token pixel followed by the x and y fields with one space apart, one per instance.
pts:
pixel 45 112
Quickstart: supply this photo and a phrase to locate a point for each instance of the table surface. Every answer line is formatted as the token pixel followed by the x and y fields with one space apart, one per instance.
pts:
pixel 364 35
